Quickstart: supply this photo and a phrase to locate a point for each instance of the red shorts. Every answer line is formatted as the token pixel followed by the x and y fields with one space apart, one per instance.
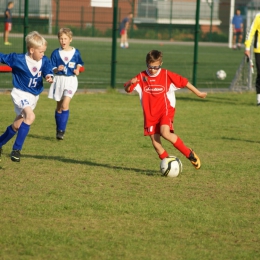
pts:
pixel 8 27
pixel 155 129
pixel 123 32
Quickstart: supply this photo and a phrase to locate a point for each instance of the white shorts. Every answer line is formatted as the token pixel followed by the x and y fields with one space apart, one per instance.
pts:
pixel 63 86
pixel 22 99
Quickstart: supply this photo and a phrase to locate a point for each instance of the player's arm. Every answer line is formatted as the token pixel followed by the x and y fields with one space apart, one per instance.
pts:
pixel 126 25
pixel 7 14
pixel 196 91
pixel 49 78
pixel 76 71
pixel 47 70
pixel 250 35
pixel 130 82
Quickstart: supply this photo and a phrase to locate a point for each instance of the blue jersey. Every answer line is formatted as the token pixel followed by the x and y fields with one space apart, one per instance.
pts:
pixel 27 73
pixel 69 59
pixel 237 21
pixel 123 23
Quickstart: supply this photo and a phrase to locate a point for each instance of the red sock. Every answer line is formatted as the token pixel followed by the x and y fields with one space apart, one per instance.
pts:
pixel 181 147
pixel 163 155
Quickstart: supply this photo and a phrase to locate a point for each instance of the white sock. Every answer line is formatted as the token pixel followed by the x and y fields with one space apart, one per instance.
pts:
pixel 121 45
pixel 258 98
pixel 126 45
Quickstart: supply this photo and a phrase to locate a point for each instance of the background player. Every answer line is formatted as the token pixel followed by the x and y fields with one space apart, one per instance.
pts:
pixel 66 62
pixel 27 71
pixel 8 22
pixel 123 30
pixel 156 87
pixel 238 26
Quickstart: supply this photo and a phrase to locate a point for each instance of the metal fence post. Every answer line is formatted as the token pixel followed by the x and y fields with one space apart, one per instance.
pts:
pixel 25 32
pixel 195 62
pixel 93 21
pixel 114 43
pixel 81 19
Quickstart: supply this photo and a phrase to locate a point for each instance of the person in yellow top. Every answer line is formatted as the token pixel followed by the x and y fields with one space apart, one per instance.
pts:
pixel 254 34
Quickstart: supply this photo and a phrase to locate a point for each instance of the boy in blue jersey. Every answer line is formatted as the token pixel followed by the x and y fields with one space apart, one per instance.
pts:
pixel 27 72
pixel 66 62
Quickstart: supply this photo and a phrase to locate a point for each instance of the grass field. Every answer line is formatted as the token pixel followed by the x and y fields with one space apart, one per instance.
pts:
pixel 178 57
pixel 99 194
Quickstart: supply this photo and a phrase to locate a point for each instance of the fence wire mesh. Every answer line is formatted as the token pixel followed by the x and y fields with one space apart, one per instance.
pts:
pixel 161 24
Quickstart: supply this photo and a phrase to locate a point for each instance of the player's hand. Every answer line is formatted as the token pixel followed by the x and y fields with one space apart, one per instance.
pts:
pixel 49 78
pixel 61 68
pixel 202 94
pixel 134 80
pixel 247 53
pixel 76 72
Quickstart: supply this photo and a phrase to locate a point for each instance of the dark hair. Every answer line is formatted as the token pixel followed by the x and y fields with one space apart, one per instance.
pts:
pixel 153 56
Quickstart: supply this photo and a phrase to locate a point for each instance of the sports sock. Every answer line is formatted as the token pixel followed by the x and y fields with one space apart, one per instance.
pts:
pixel 181 147
pixel 7 135
pixel 21 135
pixel 163 155
pixel 57 119
pixel 258 98
pixel 64 120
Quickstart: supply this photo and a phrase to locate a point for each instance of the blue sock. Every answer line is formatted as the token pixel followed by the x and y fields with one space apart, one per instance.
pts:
pixel 7 135
pixel 20 138
pixel 64 120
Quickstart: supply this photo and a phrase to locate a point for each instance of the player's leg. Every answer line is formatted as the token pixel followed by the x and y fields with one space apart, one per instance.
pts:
pixel 24 104
pixel 156 142
pixel 8 27
pixel 257 85
pixel 234 41
pixel 6 136
pixel 126 40
pixel 122 39
pixel 168 135
pixel 22 125
pixel 239 40
pixel 62 116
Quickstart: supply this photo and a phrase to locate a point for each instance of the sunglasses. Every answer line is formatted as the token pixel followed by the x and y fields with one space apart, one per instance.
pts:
pixel 153 67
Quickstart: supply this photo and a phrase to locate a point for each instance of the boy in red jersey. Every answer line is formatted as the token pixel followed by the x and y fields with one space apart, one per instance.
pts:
pixel 156 87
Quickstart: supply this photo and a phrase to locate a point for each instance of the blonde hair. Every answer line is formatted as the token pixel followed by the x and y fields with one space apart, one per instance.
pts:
pixel 66 31
pixel 153 56
pixel 34 40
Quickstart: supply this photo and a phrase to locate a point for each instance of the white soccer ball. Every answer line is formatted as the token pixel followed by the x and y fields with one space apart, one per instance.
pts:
pixel 221 74
pixel 171 166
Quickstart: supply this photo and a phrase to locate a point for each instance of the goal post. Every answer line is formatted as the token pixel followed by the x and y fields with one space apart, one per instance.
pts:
pixel 245 77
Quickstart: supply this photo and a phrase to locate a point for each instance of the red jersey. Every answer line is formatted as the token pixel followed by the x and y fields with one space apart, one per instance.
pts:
pixel 156 94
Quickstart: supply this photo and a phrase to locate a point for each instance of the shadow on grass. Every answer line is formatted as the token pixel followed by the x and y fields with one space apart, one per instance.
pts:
pixel 68 160
pixel 241 140
pixel 218 100
pixel 48 138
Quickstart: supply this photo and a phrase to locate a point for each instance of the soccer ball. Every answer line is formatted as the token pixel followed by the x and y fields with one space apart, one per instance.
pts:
pixel 171 166
pixel 221 74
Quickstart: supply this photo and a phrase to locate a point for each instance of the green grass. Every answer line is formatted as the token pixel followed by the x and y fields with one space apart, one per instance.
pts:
pixel 99 193
pixel 177 58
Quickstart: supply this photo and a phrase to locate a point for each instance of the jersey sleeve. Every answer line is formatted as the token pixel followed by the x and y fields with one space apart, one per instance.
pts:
pixel 251 33
pixel 79 60
pixel 47 67
pixel 133 86
pixel 178 80
pixel 54 60
pixel 8 59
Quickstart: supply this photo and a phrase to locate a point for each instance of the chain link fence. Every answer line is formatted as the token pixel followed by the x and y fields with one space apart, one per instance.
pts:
pixel 164 21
